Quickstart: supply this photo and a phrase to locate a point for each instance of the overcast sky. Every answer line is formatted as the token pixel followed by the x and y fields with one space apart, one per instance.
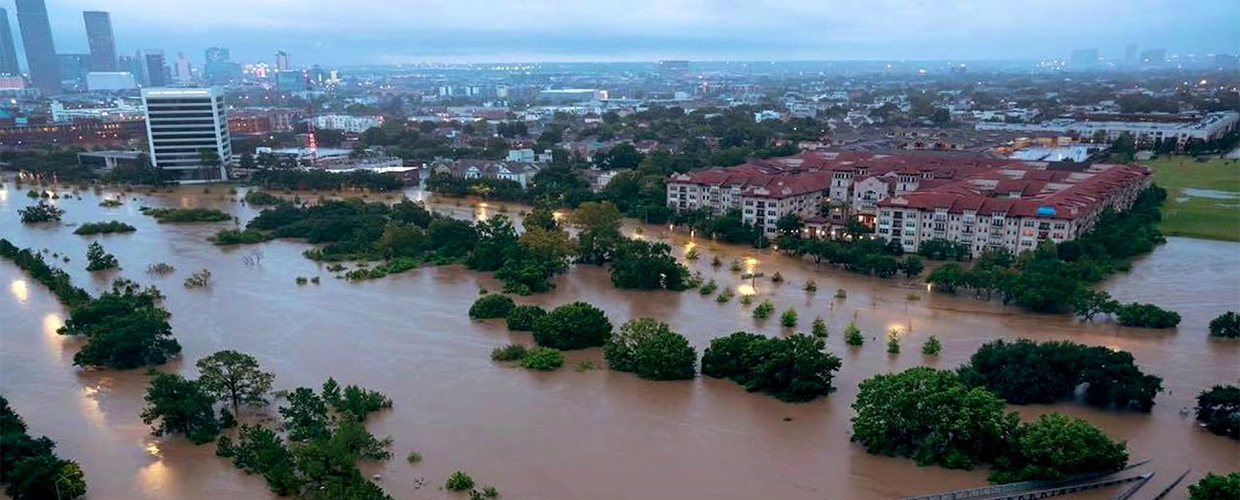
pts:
pixel 339 32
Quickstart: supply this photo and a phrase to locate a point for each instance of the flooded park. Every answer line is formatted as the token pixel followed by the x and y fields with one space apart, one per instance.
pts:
pixel 593 434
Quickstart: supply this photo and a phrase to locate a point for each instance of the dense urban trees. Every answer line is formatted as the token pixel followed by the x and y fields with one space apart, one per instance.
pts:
pixel 539 255
pixel 320 180
pixel 932 417
pixel 645 265
pixel 29 468
pixel 1055 447
pixel 651 350
pixel 573 326
pixel 325 440
pixel 522 318
pixel 1226 325
pixel 1216 487
pixel 176 405
pixel 794 368
pixel 598 231
pixel 1025 372
pixel 1218 409
pixel 124 328
pixel 1146 316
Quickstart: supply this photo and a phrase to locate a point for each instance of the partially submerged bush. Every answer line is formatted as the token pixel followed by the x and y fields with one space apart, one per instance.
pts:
pixel 104 228
pixel 199 279
pixel 491 306
pixel 522 318
pixel 651 350
pixel 543 359
pixel 510 352
pixel 573 326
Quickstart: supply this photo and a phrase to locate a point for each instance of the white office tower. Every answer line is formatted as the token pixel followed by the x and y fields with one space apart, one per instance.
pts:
pixel 188 133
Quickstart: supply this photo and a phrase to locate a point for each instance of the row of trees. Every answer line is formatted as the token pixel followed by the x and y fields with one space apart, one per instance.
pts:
pixel 795 368
pixel 936 418
pixel 29 468
pixel 126 327
pixel 320 180
pixel 354 229
pixel 56 280
pixel 864 255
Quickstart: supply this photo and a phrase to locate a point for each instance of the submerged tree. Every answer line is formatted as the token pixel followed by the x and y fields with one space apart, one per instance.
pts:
pixel 98 260
pixel 235 377
pixel 176 405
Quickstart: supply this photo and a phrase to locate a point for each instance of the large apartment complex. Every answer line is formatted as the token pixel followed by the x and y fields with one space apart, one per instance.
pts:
pixel 1144 128
pixel 187 130
pixel 912 198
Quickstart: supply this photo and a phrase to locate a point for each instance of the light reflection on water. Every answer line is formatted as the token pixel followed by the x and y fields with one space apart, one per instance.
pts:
pixel 20 290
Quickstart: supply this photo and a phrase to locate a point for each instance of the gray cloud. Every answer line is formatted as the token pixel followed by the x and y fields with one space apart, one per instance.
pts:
pixel 371 31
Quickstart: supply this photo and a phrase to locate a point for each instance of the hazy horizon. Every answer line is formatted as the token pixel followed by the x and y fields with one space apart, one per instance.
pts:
pixel 405 32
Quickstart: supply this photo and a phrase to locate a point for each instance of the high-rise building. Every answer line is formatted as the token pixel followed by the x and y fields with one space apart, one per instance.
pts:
pixel 219 70
pixel 110 81
pixel 1130 55
pixel 154 68
pixel 73 68
pixel 102 42
pixel 132 65
pixel 8 48
pixel 282 61
pixel 40 50
pixel 292 81
pixel 184 75
pixel 187 129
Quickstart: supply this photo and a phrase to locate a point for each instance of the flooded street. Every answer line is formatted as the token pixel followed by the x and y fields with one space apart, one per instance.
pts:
pixel 563 435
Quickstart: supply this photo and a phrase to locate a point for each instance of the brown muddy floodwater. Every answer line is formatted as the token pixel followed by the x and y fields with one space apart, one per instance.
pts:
pixel 564 435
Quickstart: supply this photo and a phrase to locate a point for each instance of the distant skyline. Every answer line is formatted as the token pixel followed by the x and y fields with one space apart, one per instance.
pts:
pixel 411 31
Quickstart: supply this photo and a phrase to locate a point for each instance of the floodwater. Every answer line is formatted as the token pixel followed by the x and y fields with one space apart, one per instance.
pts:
pixel 563 435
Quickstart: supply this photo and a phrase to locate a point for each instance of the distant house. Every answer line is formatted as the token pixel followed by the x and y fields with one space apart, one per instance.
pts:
pixel 519 172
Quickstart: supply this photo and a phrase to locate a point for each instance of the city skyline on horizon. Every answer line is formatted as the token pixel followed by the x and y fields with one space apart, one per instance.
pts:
pixel 379 33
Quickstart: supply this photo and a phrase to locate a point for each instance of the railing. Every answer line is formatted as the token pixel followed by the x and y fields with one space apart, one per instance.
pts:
pixel 1171 486
pixel 992 491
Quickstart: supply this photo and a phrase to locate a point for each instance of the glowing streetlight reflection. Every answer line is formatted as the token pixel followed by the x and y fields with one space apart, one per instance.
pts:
pixel 746 290
pixel 20 290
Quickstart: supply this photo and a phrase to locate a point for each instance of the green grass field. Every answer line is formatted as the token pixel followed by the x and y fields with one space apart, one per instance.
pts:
pixel 1215 216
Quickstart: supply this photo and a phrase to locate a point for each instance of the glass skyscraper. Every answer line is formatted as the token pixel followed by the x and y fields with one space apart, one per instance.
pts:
pixel 102 42
pixel 8 48
pixel 40 50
